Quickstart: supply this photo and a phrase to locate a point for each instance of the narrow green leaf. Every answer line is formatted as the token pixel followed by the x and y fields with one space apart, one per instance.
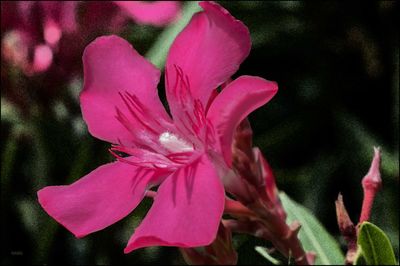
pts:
pixel 375 246
pixel 263 252
pixel 313 235
pixel 158 52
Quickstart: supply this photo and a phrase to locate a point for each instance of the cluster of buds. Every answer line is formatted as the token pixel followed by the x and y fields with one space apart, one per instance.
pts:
pixel 254 208
pixel 257 210
pixel 371 184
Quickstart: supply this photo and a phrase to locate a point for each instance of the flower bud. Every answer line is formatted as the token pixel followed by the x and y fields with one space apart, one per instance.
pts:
pixel 373 179
pixel 371 183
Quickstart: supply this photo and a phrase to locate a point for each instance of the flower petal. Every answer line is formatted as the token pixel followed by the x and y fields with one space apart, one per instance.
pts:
pixel 186 211
pixel 112 66
pixel 42 58
pixel 209 50
pixel 157 13
pixel 237 100
pixel 99 199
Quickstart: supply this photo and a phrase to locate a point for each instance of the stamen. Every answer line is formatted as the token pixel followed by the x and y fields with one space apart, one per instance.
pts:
pixel 131 103
pixel 188 112
pixel 180 157
pixel 140 139
pixel 142 158
pixel 173 143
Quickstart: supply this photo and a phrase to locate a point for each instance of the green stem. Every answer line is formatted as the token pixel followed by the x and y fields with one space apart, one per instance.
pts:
pixel 157 54
pixel 7 159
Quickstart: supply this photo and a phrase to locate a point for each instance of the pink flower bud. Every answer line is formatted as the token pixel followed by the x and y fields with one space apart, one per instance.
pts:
pixel 347 229
pixel 373 178
pixel 371 183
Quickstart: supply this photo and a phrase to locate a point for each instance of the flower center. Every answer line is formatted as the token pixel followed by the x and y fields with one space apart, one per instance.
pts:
pixel 173 143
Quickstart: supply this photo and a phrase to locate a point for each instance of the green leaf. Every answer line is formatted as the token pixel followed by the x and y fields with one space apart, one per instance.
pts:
pixel 263 252
pixel 359 260
pixel 313 235
pixel 9 112
pixel 375 246
pixel 158 52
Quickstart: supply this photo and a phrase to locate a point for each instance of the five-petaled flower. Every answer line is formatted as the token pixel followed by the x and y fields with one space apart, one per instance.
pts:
pixel 188 154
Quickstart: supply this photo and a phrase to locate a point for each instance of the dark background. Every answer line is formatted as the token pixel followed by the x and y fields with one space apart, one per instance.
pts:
pixel 337 67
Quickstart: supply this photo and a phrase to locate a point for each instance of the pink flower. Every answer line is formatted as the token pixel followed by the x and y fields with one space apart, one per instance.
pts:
pixel 188 155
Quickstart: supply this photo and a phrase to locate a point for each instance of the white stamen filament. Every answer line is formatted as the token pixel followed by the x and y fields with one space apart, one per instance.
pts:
pixel 173 143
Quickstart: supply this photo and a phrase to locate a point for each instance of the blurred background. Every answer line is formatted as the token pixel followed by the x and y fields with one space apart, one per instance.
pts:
pixel 337 67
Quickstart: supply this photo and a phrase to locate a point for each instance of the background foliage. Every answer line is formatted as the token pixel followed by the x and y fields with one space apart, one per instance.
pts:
pixel 337 66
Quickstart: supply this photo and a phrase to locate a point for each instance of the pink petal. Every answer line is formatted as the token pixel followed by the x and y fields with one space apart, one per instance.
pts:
pixel 51 29
pixel 99 199
pixel 58 18
pixel 52 32
pixel 112 66
pixel 209 50
pixel 186 211
pixel 157 13
pixel 234 103
pixel 42 58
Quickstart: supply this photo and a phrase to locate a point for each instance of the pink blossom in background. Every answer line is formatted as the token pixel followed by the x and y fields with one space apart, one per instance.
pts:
pixel 188 155
pixel 33 29
pixel 116 14
pixel 157 13
pixel 114 18
pixel 45 40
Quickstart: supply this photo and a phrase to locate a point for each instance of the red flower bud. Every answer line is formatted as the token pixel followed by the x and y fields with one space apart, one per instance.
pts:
pixel 371 183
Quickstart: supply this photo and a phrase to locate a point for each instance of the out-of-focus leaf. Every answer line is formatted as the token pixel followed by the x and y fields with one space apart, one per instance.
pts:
pixel 158 52
pixel 267 256
pixel 395 94
pixel 365 140
pixel 313 235
pixel 7 158
pixel 9 113
pixel 374 245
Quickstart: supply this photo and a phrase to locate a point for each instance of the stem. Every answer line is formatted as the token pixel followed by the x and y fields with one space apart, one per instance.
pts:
pixel 7 166
pixel 368 201
pixel 7 159
pixel 158 52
